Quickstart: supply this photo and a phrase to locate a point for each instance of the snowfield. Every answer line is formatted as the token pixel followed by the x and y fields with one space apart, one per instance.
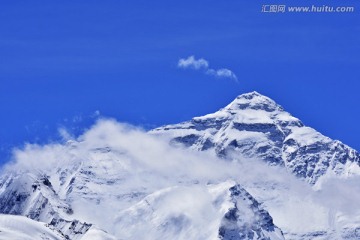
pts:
pixel 19 227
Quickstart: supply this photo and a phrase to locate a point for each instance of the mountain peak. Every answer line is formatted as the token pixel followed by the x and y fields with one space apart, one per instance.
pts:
pixel 250 95
pixel 245 104
pixel 255 126
pixel 253 100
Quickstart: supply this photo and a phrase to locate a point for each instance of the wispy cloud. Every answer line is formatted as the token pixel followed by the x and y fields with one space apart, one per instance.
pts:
pixel 145 163
pixel 223 72
pixel 202 64
pixel 193 63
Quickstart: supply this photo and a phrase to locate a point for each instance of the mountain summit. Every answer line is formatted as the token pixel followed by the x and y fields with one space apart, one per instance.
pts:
pixel 255 126
pixel 253 100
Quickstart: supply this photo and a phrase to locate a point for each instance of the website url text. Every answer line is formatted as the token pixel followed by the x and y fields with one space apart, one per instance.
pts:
pixel 306 9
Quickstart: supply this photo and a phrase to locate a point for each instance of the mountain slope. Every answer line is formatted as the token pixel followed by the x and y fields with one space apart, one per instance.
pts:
pixel 254 126
pixel 187 211
pixel 32 195
pixel 222 211
pixel 121 183
pixel 18 227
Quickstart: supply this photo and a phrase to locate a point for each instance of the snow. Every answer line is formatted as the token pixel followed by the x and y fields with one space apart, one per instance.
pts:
pixel 286 117
pixel 251 116
pixel 306 136
pixel 19 227
pixel 217 116
pixel 97 234
pixel 172 213
pixel 132 185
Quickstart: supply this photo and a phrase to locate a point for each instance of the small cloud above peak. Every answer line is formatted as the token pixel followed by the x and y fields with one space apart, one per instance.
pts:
pixel 222 73
pixel 202 64
pixel 193 63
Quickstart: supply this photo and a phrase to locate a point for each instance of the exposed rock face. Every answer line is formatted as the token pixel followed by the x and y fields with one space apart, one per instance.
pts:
pixel 33 196
pixel 247 219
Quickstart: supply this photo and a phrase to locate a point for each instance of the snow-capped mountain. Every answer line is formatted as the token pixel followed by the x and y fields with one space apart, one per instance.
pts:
pixel 182 211
pixel 228 180
pixel 254 126
pixel 121 183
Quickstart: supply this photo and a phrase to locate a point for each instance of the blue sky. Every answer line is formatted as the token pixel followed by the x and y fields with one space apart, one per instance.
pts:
pixel 61 62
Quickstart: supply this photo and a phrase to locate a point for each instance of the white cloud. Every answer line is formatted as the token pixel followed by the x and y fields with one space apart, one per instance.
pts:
pixel 222 73
pixel 96 114
pixel 145 151
pixel 193 63
pixel 65 134
pixel 201 64
pixel 143 162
